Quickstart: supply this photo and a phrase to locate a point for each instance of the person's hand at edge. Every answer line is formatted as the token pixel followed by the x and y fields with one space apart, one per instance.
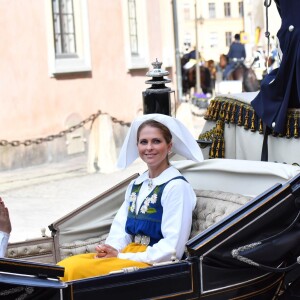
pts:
pixel 5 224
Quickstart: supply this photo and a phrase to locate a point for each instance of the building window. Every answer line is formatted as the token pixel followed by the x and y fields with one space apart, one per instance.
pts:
pixel 187 11
pixel 227 9
pixel 228 38
pixel 64 28
pixel 212 10
pixel 241 9
pixel 68 36
pixel 213 39
pixel 135 30
pixel 133 36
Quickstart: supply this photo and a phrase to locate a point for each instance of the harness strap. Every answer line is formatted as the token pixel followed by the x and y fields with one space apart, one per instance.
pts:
pixel 264 151
pixel 236 253
pixel 267 4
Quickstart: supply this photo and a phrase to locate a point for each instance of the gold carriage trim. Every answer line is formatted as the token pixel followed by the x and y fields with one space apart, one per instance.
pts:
pixel 227 110
pixel 216 136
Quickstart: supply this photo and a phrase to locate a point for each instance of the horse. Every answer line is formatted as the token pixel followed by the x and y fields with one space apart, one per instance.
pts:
pixel 189 77
pixel 246 75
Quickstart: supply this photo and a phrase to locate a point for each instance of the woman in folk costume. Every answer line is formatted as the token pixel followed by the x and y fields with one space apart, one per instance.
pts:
pixel 280 89
pixel 154 221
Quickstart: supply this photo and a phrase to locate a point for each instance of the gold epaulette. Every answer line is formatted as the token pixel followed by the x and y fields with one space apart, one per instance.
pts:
pixel 233 111
pixel 216 136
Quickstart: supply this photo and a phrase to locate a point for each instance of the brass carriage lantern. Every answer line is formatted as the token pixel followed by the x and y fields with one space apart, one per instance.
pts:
pixel 157 98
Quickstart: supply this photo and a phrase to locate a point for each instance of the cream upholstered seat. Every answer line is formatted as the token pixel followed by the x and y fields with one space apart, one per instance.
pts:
pixel 212 206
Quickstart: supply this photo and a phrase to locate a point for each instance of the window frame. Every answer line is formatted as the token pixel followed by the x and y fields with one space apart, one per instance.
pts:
pixel 62 33
pixel 241 8
pixel 137 60
pixel 228 38
pixel 79 62
pixel 133 25
pixel 212 10
pixel 227 9
pixel 187 11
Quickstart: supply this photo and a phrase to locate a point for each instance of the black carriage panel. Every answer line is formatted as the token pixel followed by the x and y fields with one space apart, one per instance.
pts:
pixel 251 250
pixel 27 280
pixel 173 281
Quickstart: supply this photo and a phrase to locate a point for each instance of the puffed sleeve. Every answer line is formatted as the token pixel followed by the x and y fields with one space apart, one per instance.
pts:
pixel 4 237
pixel 178 201
pixel 117 237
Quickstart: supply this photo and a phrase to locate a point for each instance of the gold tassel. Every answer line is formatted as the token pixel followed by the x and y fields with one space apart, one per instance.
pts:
pixel 211 108
pixel 240 116
pixel 218 148
pixel 246 124
pixel 211 151
pixel 213 135
pixel 217 109
pixel 252 128
pixel 288 131
pixel 227 118
pixel 223 148
pixel 207 115
pixel 219 138
pixel 214 112
pixel 232 119
pixel 219 128
pixel 296 133
pixel 260 129
pixel 222 111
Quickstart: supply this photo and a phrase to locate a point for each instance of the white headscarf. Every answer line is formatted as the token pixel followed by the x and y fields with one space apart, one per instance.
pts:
pixel 183 142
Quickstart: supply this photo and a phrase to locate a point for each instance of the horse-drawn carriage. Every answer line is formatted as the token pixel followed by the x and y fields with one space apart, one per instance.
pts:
pixel 244 242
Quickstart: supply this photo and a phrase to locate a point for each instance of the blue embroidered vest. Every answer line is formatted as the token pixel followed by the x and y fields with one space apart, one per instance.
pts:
pixel 147 221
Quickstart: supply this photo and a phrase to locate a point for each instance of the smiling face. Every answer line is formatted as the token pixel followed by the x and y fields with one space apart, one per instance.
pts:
pixel 153 147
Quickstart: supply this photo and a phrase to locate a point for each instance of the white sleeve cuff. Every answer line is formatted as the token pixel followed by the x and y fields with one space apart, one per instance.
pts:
pixel 4 237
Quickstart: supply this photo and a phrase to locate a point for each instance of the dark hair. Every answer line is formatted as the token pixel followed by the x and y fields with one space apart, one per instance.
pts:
pixel 224 56
pixel 152 123
pixel 237 36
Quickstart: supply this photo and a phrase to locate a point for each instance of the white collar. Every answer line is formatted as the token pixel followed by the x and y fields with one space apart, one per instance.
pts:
pixel 165 176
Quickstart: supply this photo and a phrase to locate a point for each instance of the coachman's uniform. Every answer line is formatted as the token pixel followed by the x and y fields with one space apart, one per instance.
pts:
pixel 280 90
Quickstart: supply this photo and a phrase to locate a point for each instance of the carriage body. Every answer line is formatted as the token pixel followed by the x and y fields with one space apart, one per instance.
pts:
pixel 237 199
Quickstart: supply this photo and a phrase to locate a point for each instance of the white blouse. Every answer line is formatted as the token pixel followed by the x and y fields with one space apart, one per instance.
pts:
pixel 178 201
pixel 4 237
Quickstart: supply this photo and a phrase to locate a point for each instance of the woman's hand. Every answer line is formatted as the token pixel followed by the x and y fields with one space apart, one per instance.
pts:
pixel 105 251
pixel 5 224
